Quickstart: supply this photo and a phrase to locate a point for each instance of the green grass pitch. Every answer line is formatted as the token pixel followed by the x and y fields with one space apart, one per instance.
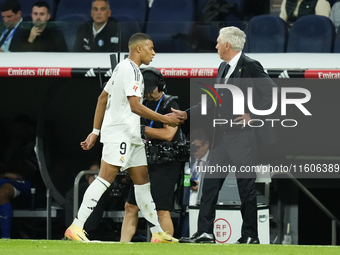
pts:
pixel 47 247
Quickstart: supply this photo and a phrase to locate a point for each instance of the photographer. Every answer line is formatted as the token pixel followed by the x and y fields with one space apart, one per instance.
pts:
pixel 164 172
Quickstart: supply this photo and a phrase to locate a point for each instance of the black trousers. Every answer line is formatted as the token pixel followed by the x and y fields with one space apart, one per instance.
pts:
pixel 238 149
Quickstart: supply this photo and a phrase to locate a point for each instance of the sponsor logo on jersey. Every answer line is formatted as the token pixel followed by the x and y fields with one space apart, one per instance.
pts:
pixel 114 39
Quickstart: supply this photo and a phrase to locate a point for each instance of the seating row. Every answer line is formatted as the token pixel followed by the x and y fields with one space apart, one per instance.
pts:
pixel 311 33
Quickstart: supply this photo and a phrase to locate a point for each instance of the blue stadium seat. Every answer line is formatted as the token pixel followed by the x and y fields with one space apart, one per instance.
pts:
pixel 266 33
pixel 69 24
pixel 337 42
pixel 68 7
pixel 170 24
pixel 129 25
pixel 311 33
pixel 233 19
pixel 26 7
pixel 199 6
pixel 135 8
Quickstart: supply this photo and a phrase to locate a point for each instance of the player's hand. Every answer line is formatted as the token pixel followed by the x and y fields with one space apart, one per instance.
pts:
pixel 244 120
pixel 89 142
pixel 172 120
pixel 182 115
pixel 34 33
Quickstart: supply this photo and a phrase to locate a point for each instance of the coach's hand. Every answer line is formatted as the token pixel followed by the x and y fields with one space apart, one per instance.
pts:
pixel 244 120
pixel 172 120
pixel 89 142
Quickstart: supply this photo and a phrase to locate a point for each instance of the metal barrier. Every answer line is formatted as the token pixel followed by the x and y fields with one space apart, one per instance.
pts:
pixel 335 221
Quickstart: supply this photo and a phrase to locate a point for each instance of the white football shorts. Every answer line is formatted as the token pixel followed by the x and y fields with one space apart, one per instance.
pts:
pixel 124 154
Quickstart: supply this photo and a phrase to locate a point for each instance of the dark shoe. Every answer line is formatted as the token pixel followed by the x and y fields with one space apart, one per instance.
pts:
pixel 199 237
pixel 249 240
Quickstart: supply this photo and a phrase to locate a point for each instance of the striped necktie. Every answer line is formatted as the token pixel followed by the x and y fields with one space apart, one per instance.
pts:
pixel 5 36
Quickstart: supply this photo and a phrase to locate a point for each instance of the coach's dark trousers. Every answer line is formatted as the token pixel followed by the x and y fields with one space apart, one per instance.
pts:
pixel 236 148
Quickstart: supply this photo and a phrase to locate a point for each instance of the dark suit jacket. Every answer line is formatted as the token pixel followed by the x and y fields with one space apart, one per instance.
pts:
pixel 18 39
pixel 262 86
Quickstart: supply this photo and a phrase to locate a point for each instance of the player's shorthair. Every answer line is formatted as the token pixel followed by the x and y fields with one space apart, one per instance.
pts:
pixel 138 37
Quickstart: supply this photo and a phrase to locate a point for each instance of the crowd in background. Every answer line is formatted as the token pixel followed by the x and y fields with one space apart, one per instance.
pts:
pixel 106 32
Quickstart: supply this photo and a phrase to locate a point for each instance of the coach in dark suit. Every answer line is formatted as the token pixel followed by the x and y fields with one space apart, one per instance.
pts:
pixel 236 145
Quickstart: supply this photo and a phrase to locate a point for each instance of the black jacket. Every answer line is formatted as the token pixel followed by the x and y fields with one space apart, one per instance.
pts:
pixel 18 39
pixel 106 41
pixel 50 40
pixel 262 86
pixel 167 103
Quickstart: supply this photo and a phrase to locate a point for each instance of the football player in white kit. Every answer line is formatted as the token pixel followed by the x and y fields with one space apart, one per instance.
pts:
pixel 117 117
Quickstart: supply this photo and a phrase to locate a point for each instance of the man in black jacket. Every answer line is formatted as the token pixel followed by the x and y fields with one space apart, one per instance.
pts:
pixel 44 36
pixel 12 28
pixel 101 33
pixel 235 145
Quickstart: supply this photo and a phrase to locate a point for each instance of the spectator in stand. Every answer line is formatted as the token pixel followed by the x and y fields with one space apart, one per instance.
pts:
pixel 12 28
pixel 101 33
pixel 44 36
pixel 291 10
pixel 335 15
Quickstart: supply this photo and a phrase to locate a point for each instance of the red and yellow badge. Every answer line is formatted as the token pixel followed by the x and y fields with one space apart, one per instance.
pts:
pixel 135 87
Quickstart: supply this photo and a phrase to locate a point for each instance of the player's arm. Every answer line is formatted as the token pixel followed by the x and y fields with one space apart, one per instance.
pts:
pixel 143 111
pixel 97 123
pixel 100 110
pixel 166 133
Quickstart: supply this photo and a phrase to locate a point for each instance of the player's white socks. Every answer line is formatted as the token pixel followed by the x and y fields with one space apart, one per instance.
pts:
pixel 90 200
pixel 147 206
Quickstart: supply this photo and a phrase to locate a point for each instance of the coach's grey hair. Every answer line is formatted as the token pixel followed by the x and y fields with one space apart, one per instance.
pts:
pixel 106 1
pixel 233 35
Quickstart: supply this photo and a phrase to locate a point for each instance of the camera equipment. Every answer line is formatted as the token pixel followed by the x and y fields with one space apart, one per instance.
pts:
pixel 160 152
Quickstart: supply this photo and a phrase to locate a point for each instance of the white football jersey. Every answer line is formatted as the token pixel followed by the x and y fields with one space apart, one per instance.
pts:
pixel 120 123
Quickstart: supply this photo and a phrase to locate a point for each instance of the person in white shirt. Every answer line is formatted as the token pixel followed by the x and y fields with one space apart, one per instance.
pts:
pixel 117 116
pixel 291 10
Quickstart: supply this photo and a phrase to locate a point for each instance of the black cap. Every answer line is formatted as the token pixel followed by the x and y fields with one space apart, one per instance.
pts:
pixel 151 81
